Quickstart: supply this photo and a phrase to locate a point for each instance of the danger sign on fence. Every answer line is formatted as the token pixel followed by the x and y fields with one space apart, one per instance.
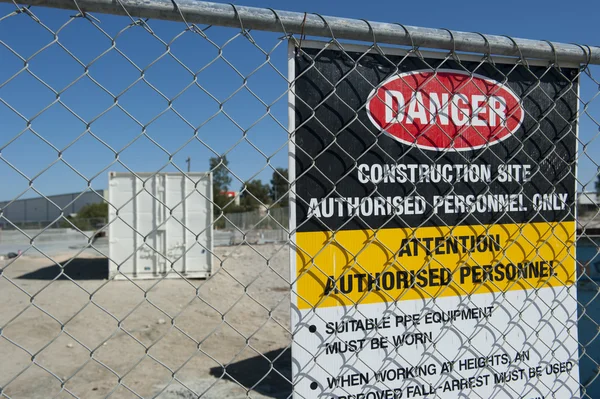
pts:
pixel 434 226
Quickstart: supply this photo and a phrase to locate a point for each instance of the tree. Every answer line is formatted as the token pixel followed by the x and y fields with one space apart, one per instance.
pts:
pixel 89 217
pixel 254 195
pixel 279 187
pixel 221 178
pixel 90 211
pixel 598 184
pixel 221 182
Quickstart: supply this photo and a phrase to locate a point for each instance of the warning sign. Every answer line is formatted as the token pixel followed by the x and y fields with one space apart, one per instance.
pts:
pixel 434 226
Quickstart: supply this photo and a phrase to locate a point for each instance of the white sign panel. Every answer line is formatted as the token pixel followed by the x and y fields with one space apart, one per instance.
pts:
pixel 434 229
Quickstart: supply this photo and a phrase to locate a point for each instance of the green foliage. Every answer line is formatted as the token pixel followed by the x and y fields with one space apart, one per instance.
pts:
pixel 223 205
pixel 220 174
pixel 598 184
pixel 279 187
pixel 254 195
pixel 99 210
pixel 89 217
pixel 220 181
pixel 220 202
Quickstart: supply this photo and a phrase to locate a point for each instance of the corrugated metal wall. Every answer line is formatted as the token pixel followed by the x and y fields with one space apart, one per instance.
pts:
pixel 49 208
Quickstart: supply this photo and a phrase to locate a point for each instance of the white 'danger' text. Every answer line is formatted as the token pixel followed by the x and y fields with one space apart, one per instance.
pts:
pixel 443 109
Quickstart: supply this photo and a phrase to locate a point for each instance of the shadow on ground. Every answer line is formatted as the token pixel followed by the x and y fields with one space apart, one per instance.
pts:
pixel 269 375
pixel 76 269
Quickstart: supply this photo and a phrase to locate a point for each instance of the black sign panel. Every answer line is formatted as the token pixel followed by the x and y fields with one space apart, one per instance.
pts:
pixel 352 174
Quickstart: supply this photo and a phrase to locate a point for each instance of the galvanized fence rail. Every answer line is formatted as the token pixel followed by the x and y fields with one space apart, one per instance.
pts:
pixel 93 86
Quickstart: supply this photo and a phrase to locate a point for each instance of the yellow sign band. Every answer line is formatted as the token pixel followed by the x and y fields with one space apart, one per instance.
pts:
pixel 365 266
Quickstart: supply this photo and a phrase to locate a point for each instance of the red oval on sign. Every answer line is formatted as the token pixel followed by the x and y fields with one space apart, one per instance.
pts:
pixel 445 110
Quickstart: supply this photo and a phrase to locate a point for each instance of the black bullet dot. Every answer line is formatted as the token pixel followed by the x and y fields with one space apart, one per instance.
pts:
pixel 312 328
pixel 314 385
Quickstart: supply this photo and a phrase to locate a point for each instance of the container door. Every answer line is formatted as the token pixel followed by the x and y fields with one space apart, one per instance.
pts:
pixel 176 223
pixel 161 250
pixel 197 218
pixel 160 212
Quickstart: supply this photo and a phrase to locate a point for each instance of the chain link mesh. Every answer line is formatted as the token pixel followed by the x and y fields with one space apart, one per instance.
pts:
pixel 83 95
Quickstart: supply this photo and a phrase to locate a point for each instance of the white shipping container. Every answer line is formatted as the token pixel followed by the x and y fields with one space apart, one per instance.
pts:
pixel 160 225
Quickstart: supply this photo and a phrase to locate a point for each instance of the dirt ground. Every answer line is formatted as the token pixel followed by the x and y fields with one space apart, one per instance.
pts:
pixel 93 338
pixel 222 338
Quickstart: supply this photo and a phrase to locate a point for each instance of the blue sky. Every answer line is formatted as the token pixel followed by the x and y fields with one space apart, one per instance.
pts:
pixel 87 100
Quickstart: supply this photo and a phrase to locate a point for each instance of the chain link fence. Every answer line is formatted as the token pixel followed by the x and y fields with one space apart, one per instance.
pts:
pixel 92 87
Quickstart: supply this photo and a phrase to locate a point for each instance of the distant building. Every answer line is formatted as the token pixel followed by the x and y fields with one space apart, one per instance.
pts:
pixel 232 194
pixel 588 202
pixel 47 209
